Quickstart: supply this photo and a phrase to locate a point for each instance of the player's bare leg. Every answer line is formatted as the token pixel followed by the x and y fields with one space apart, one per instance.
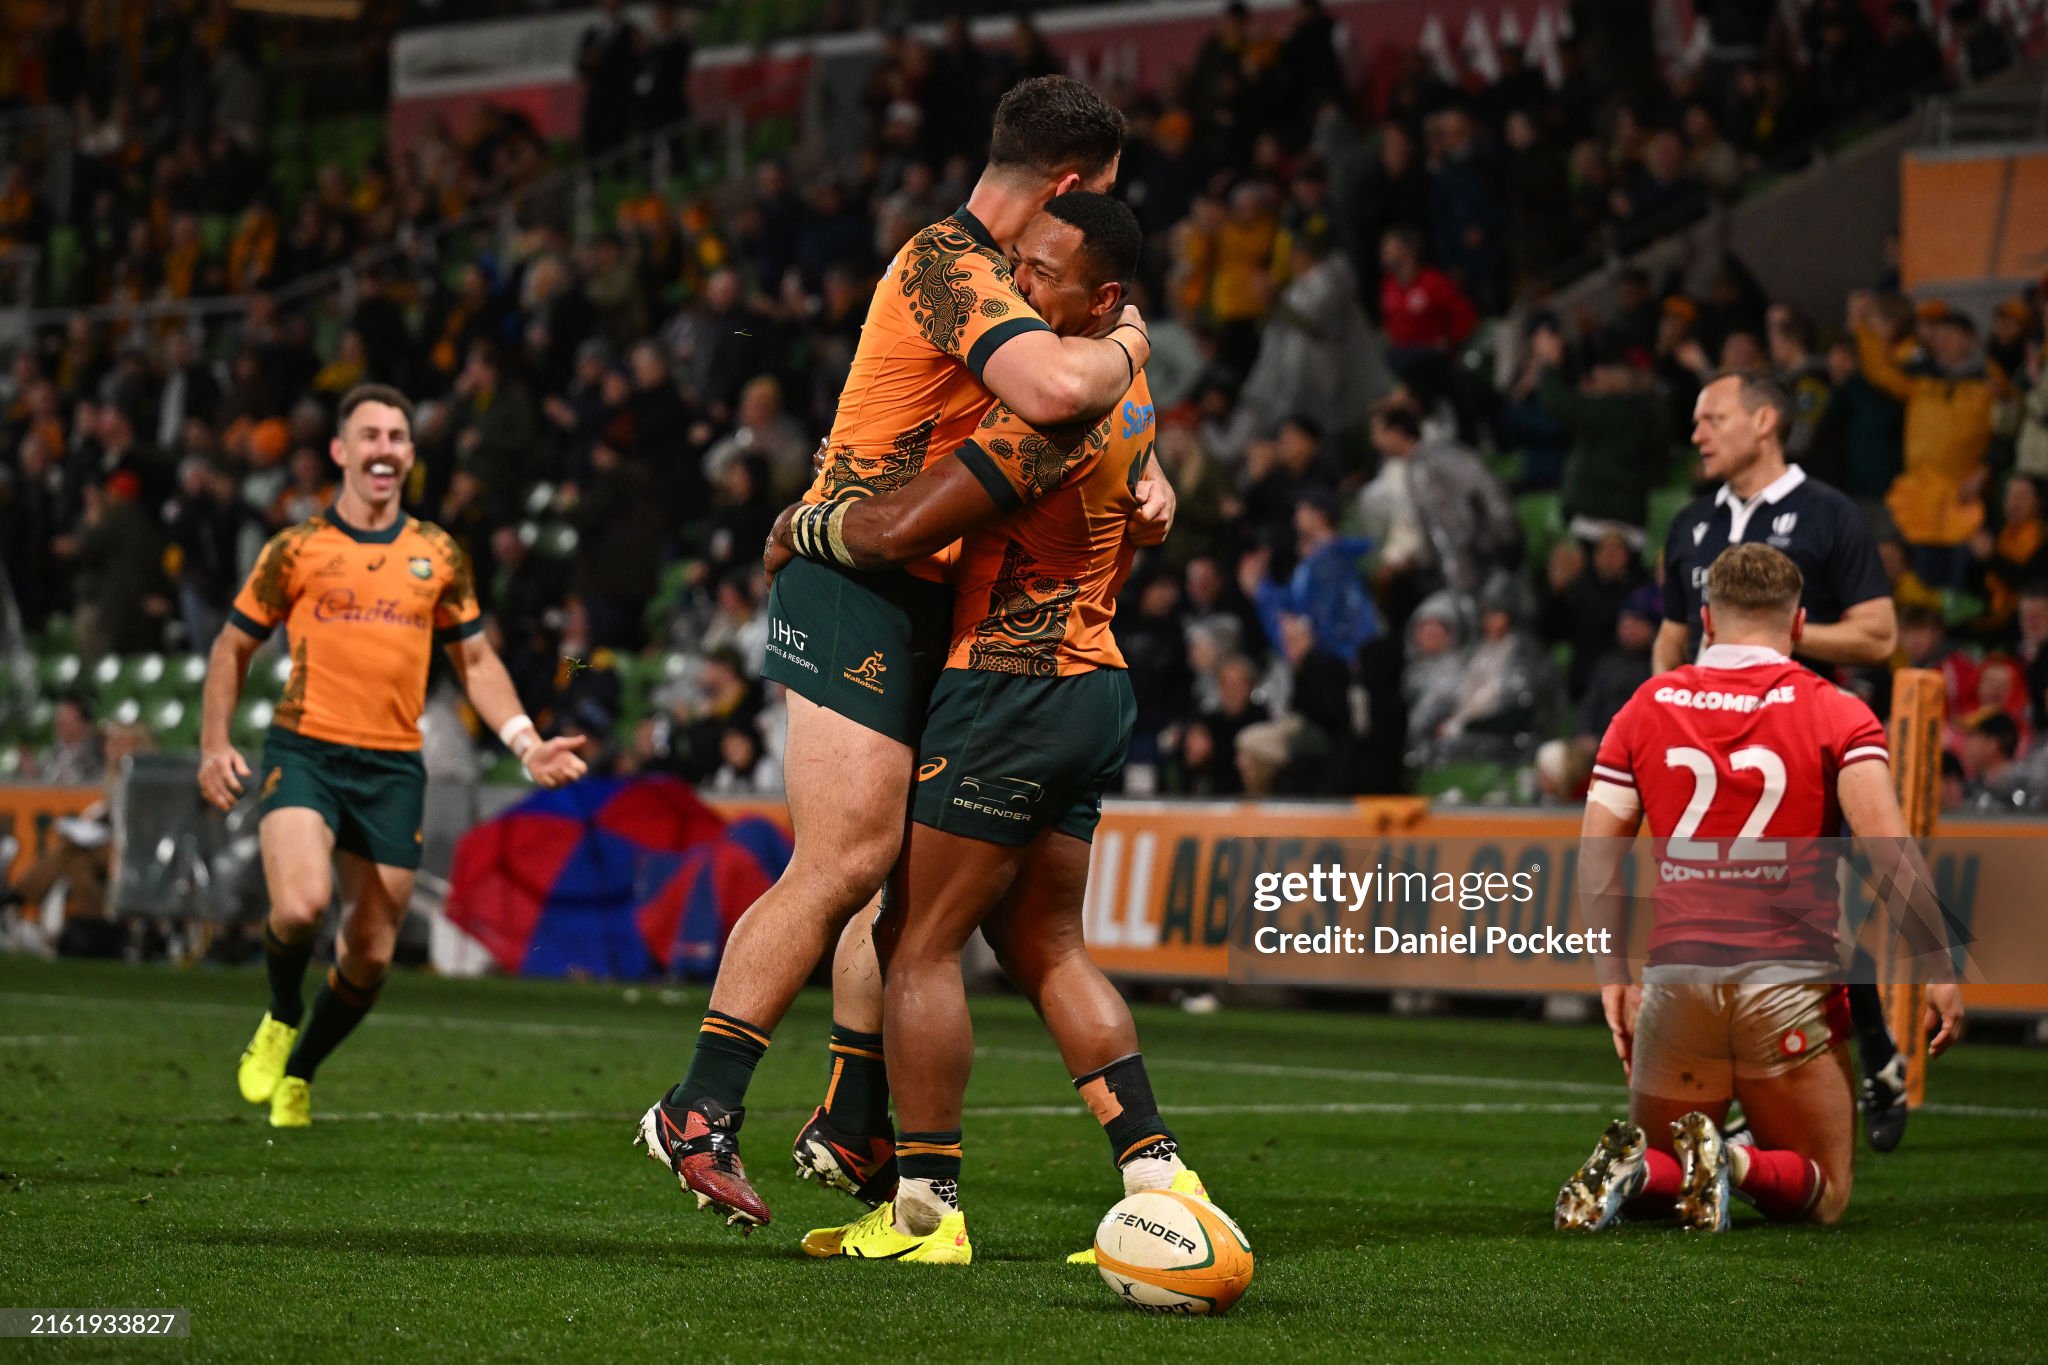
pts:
pixel 298 874
pixel 1806 1115
pixel 1038 935
pixel 938 896
pixel 373 902
pixel 849 1142
pixel 848 790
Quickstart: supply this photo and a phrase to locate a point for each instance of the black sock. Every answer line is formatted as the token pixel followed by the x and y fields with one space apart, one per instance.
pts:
pixel 1120 1095
pixel 1866 1010
pixel 934 1157
pixel 337 1009
pixel 728 1050
pixel 286 964
pixel 857 1096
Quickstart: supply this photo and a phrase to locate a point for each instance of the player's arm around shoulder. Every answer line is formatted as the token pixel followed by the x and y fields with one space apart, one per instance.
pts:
pixel 1052 381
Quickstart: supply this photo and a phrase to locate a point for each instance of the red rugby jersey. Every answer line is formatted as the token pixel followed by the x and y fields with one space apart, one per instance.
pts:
pixel 1735 758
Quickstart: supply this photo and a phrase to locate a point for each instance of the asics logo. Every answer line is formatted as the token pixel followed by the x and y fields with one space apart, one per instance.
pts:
pixel 931 770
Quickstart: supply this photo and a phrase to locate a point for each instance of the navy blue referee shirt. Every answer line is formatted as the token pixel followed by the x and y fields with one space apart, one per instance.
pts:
pixel 1816 525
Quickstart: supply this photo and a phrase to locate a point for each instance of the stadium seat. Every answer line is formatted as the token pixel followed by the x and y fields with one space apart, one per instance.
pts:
pixel 60 672
pixel 1542 523
pixel 106 674
pixel 1473 783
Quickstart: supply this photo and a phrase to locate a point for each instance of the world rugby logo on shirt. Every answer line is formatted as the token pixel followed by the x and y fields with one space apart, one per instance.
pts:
pixel 1781 529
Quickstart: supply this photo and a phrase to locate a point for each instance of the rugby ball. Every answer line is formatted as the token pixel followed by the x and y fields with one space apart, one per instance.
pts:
pixel 1162 1252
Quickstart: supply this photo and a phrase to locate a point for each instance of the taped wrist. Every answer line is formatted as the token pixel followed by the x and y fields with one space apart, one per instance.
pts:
pixel 819 532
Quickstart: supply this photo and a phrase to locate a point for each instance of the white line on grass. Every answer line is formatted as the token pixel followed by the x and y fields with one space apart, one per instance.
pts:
pixel 1036 1111
pixel 1332 1073
pixel 40 1040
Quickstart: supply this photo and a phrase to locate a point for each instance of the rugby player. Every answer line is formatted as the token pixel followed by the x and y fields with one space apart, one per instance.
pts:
pixel 1740 760
pixel 364 593
pixel 1739 426
pixel 946 335
pixel 1028 725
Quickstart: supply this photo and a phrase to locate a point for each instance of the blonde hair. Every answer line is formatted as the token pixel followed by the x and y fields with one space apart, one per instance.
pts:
pixel 1754 580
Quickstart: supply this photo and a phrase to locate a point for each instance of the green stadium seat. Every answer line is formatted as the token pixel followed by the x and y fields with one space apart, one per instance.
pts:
pixel 191 672
pixel 60 672
pixel 65 260
pixel 106 674
pixel 539 499
pixel 126 711
pixel 1542 523
pixel 558 540
pixel 1473 782
pixel 252 718
pixel 144 675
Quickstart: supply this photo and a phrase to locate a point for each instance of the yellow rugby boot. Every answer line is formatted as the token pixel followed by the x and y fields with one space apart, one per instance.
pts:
pixel 263 1060
pixel 291 1104
pixel 873 1237
pixel 1186 1182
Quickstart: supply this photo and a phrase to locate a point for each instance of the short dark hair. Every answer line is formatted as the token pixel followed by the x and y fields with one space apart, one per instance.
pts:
pixel 1052 124
pixel 372 393
pixel 1759 389
pixel 2000 729
pixel 1399 417
pixel 1110 235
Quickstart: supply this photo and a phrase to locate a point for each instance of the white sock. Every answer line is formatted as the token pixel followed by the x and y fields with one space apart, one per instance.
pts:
pixel 1150 1173
pixel 919 1207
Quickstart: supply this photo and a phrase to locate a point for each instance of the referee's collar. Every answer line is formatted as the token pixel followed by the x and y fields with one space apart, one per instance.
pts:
pixel 1772 491
pixel 1740 656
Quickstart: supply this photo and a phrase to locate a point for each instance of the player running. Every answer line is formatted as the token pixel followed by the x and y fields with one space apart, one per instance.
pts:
pixel 364 593
pixel 1740 762
pixel 946 335
pixel 1029 724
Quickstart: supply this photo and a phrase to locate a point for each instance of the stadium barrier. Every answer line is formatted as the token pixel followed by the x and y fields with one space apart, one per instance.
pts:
pixel 1168 877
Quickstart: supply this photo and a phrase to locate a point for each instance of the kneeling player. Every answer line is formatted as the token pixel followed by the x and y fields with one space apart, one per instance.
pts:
pixel 1743 758
pixel 1027 727
pixel 365 593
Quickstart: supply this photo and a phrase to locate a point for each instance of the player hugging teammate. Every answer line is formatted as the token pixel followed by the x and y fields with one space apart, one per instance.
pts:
pixel 1743 755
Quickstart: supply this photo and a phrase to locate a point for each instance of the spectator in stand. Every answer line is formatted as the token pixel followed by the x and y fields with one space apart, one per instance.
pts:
pixel 620 523
pixel 1623 667
pixel 1924 643
pixel 206 524
pixel 1425 315
pixel 75 756
pixel 1619 443
pixel 493 426
pixel 663 90
pixel 117 557
pixel 1907 62
pixel 1465 218
pixel 1389 189
pixel 609 63
pixel 1536 186
pixel 1805 377
pixel 1241 277
pixel 1436 513
pixel 1208 752
pixel 2017 555
pixel 1325 587
pixel 1318 355
pixel 1990 743
pixel 1936 501
pixel 1581 598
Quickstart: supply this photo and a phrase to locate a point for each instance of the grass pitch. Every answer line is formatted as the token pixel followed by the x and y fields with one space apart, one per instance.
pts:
pixel 468 1192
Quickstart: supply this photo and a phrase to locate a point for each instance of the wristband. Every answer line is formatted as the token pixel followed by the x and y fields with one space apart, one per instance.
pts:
pixel 511 732
pixel 1130 365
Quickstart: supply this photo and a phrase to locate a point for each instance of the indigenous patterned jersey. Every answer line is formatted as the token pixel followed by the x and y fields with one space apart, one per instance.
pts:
pixel 363 611
pixel 1735 758
pixel 1036 592
pixel 944 306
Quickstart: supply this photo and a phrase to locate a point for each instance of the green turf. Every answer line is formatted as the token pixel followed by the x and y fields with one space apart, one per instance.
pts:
pixel 496 1210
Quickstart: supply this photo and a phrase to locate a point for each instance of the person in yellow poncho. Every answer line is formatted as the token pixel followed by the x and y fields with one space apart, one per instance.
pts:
pixel 1936 501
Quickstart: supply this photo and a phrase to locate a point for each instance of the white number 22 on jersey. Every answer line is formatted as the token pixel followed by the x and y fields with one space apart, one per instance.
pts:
pixel 1749 846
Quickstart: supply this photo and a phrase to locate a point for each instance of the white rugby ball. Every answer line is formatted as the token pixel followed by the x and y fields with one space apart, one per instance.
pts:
pixel 1163 1252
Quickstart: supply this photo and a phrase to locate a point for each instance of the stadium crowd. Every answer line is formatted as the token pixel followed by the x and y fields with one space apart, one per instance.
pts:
pixel 1357 590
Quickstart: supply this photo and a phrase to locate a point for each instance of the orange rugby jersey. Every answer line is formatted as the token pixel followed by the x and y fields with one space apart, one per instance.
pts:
pixel 1036 592
pixel 943 307
pixel 363 611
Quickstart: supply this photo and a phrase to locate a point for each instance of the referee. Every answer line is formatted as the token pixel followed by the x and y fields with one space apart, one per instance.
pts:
pixel 1739 425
